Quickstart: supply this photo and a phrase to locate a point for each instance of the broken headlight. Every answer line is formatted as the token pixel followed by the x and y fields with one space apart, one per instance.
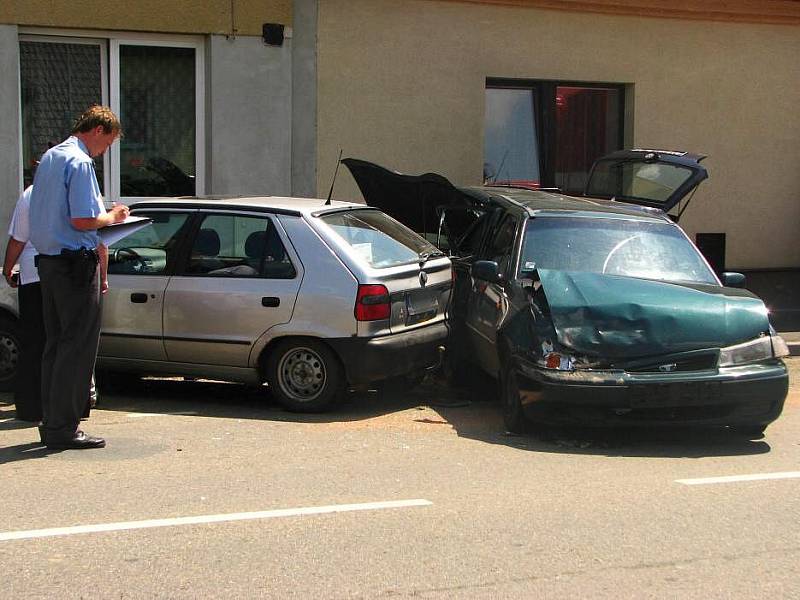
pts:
pixel 763 348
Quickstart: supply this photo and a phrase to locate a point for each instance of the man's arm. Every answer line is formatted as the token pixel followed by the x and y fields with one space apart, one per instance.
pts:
pixel 117 214
pixel 13 250
pixel 102 251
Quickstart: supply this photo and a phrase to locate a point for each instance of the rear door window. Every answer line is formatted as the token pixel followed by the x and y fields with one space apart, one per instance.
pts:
pixel 238 246
pixel 377 238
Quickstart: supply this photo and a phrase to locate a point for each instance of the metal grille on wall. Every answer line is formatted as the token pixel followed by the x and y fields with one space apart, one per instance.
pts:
pixel 58 82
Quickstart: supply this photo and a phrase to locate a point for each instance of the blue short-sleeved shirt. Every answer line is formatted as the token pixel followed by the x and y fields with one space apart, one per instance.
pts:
pixel 64 187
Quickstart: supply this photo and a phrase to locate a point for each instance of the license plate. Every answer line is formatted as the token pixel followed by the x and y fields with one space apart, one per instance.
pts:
pixel 421 306
pixel 674 394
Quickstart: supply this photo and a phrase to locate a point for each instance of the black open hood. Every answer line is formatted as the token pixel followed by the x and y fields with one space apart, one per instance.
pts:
pixel 655 178
pixel 414 200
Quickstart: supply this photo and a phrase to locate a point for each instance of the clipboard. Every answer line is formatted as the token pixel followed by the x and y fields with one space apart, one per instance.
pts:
pixel 111 234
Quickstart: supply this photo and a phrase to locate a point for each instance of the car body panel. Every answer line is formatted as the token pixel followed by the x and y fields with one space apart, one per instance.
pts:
pixel 611 316
pixel 132 317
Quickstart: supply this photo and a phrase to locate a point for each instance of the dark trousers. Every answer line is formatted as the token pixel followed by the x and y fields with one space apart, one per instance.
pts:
pixel 28 392
pixel 71 309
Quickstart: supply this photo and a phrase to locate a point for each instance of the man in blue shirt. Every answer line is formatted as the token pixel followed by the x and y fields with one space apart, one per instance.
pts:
pixel 66 209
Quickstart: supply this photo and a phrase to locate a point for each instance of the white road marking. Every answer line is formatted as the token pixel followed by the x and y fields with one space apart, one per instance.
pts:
pixel 200 519
pixel 737 478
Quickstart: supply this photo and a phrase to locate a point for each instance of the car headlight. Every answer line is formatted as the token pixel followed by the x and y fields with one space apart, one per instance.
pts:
pixel 763 348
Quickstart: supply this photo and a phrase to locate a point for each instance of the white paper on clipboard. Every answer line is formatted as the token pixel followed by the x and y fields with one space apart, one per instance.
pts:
pixel 111 234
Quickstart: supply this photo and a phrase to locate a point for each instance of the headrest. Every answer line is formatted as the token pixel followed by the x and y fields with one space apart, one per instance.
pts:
pixel 207 243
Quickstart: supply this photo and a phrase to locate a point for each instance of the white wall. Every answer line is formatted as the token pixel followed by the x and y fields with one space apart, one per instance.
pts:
pixel 402 83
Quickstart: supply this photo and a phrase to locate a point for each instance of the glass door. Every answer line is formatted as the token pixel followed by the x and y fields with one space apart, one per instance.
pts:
pixel 59 79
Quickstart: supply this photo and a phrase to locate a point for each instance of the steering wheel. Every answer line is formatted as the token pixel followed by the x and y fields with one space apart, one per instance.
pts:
pixel 615 249
pixel 129 255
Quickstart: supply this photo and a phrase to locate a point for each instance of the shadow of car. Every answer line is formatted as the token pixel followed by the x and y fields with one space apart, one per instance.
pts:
pixel 595 310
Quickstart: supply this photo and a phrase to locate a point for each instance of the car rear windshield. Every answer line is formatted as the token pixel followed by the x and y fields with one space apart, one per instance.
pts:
pixel 612 246
pixel 377 238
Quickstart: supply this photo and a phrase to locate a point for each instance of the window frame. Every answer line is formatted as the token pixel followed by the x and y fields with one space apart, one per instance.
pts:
pixel 110 42
pixel 544 93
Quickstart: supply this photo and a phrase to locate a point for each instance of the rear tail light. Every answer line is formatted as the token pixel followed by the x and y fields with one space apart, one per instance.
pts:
pixel 372 303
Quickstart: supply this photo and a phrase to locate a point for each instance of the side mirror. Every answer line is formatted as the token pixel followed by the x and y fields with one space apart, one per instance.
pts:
pixel 734 280
pixel 486 270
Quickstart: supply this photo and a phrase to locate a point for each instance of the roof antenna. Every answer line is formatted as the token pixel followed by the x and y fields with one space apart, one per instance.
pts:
pixel 330 192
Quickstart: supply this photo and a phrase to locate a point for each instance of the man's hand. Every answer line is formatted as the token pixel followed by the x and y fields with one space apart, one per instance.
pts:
pixel 104 286
pixel 12 279
pixel 118 213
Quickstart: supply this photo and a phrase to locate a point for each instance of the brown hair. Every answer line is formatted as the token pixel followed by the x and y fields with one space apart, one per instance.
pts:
pixel 97 116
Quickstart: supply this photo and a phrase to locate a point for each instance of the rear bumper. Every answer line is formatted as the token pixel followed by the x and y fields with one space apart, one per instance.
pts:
pixel 367 360
pixel 746 395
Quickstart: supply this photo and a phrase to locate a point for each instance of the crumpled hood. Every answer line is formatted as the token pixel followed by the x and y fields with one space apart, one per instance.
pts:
pixel 624 317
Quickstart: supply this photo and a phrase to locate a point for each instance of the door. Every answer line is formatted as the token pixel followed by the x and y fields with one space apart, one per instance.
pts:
pixel 654 178
pixel 138 272
pixel 488 302
pixel 240 278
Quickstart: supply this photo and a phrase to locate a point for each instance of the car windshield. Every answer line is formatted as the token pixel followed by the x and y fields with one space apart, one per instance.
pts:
pixel 379 239
pixel 624 247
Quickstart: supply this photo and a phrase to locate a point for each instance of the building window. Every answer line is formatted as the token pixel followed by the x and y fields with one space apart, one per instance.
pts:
pixel 155 86
pixel 548 133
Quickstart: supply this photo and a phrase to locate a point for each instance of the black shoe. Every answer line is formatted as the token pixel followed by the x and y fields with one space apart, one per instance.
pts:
pixel 78 441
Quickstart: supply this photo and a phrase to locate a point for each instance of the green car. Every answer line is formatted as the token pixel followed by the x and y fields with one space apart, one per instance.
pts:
pixel 595 310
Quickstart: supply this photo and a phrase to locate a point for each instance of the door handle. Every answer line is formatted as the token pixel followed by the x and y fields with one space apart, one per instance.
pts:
pixel 270 301
pixel 138 298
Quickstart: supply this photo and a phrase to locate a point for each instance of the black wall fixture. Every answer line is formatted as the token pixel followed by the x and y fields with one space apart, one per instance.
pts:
pixel 272 34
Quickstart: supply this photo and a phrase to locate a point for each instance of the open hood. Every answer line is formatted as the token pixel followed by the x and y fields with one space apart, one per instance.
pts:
pixel 623 317
pixel 414 200
pixel 655 178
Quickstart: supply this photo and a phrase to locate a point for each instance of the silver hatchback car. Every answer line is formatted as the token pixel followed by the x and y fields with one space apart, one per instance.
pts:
pixel 309 296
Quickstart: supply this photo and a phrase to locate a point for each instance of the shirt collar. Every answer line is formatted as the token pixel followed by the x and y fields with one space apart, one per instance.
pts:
pixel 80 144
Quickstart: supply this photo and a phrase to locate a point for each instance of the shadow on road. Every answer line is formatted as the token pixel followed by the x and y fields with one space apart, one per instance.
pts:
pixel 471 412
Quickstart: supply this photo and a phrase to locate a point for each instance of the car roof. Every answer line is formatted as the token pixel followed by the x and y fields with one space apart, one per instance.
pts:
pixel 543 203
pixel 274 204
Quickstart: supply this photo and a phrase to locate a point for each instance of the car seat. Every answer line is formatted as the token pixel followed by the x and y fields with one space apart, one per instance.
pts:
pixel 205 251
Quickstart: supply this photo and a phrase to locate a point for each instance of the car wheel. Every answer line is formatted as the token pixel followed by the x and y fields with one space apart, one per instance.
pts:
pixel 513 416
pixel 9 353
pixel 304 375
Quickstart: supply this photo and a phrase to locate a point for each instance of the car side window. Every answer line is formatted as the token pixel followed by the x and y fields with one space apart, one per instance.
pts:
pixel 148 250
pixel 502 245
pixel 239 246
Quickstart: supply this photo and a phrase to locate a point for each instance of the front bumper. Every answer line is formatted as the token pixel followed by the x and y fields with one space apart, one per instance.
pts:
pixel 744 395
pixel 367 360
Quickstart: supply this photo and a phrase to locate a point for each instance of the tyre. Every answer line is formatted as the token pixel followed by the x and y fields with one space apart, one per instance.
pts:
pixel 513 417
pixel 9 353
pixel 304 375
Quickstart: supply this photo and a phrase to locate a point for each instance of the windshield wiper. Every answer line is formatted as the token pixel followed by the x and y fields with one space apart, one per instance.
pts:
pixel 425 256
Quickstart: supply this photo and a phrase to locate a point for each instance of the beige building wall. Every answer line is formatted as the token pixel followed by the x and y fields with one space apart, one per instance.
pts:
pixel 227 17
pixel 401 83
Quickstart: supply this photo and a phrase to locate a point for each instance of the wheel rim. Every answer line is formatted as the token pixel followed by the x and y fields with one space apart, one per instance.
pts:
pixel 9 356
pixel 302 375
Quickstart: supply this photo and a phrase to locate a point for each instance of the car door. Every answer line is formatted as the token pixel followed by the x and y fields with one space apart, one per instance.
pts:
pixel 488 302
pixel 239 278
pixel 654 178
pixel 139 268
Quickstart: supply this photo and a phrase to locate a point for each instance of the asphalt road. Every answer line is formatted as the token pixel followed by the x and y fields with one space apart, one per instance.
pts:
pixel 477 513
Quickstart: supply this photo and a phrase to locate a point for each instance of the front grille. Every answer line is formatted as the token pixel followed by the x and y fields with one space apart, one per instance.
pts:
pixel 675 364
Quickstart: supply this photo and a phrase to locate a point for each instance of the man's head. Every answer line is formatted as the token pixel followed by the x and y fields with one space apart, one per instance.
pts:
pixel 97 128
